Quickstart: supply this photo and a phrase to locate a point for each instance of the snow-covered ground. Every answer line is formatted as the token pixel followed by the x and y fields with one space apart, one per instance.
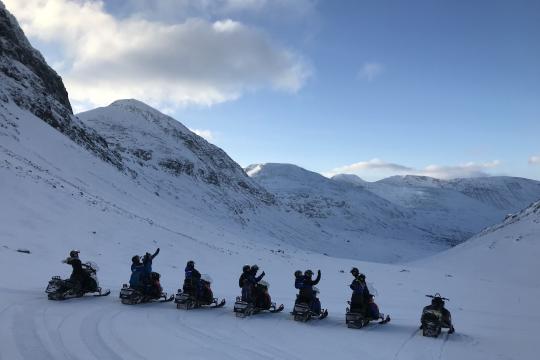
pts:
pixel 50 207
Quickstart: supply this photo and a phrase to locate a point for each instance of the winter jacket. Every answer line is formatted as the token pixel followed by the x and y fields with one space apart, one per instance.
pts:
pixel 192 274
pixel 147 262
pixel 78 272
pixel 306 292
pixel 243 278
pixel 299 282
pixel 192 279
pixel 137 271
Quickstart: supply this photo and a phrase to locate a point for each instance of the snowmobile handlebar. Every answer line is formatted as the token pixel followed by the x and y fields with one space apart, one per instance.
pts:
pixel 437 296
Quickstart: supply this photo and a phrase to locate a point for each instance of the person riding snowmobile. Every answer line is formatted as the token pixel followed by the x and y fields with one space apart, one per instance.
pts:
pixel 307 293
pixel 137 270
pixel 150 282
pixel 247 282
pixel 360 296
pixel 78 278
pixel 437 303
pixel 192 282
pixel 262 296
pixel 298 280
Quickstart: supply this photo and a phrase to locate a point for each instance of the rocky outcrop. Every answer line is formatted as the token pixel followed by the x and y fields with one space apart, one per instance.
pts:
pixel 27 81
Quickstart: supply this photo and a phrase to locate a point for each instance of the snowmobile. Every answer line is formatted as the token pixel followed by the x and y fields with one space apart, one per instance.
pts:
pixel 187 298
pixel 435 317
pixel 59 289
pixel 302 310
pixel 151 291
pixel 263 302
pixel 358 317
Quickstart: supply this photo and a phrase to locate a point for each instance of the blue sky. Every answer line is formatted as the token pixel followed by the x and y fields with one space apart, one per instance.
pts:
pixel 376 88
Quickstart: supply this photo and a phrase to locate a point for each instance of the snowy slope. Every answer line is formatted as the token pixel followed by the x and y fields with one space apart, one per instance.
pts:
pixel 509 251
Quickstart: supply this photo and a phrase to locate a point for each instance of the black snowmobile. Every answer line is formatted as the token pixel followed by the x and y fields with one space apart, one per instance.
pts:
pixel 192 298
pixel 358 316
pixel 150 291
pixel 262 302
pixel 59 289
pixel 302 309
pixel 435 317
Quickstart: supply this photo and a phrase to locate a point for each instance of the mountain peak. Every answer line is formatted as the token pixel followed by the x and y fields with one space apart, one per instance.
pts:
pixel 349 178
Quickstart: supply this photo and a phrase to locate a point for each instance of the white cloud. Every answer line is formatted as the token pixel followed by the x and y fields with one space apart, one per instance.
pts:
pixel 167 65
pixel 373 164
pixel 370 71
pixel 206 134
pixel 376 169
pixel 534 160
pixel 174 10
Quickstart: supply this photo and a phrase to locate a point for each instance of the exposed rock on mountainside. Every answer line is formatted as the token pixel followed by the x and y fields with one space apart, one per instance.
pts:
pixel 162 153
pixel 27 80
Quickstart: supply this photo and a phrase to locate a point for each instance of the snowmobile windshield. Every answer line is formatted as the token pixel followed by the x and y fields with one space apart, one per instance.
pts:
pixel 316 290
pixel 372 289
pixel 92 265
pixel 265 284
pixel 207 278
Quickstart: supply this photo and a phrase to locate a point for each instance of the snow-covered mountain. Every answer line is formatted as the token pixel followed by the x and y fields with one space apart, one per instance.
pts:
pixel 168 159
pixel 458 208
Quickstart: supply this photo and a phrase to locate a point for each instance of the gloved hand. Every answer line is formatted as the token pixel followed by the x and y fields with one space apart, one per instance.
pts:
pixel 263 273
pixel 319 272
pixel 64 261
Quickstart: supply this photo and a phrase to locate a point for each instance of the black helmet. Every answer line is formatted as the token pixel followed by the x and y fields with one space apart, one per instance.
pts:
pixel 297 273
pixel 308 273
pixel 74 253
pixel 191 263
pixel 246 268
pixel 254 267
pixel 136 259
pixel 355 271
pixel 437 301
pixel 362 276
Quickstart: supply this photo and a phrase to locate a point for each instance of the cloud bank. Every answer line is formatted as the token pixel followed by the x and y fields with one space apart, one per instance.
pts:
pixel 377 168
pixel 167 65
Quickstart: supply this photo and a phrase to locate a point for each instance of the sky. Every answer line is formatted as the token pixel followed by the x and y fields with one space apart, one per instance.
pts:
pixel 373 88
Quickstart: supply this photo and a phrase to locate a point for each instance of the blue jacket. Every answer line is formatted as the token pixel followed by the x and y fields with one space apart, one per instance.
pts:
pixel 137 271
pixel 358 287
pixel 299 282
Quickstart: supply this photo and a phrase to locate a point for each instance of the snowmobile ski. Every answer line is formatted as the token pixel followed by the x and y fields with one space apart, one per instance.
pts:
pixel 278 309
pixel 107 292
pixel 323 314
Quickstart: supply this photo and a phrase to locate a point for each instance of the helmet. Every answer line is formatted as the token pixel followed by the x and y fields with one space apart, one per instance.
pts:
pixel 136 259
pixel 437 301
pixel 191 263
pixel 362 276
pixel 74 253
pixel 297 273
pixel 308 273
pixel 246 268
pixel 254 267
pixel 355 271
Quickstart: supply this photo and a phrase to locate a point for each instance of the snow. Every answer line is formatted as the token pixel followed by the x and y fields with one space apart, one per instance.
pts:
pixel 115 218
